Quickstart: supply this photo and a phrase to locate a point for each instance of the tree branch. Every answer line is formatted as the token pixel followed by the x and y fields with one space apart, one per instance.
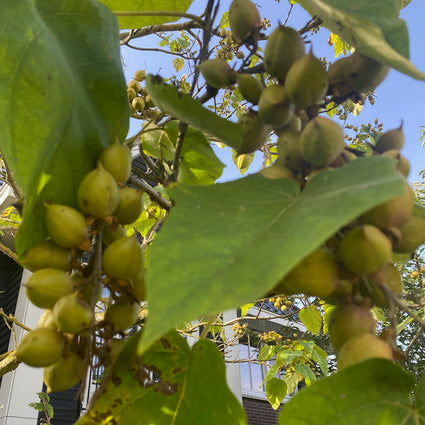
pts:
pixel 153 194
pixel 9 363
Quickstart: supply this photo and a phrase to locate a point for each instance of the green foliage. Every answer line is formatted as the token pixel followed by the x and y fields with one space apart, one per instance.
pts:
pixel 250 231
pixel 43 406
pixel 276 392
pixel 170 384
pixel 311 318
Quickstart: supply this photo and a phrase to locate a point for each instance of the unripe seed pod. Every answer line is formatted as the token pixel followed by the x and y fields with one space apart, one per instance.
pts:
pixel 131 93
pixel 288 148
pixel 403 165
pixel 244 19
pixel 123 259
pixel 249 87
pixel 348 321
pixel 140 75
pixel 412 235
pixel 40 347
pixel 393 213
pixel 254 133
pixel 365 249
pixel 322 140
pixel 244 161
pixel 274 106
pixel 72 314
pixel 316 275
pixel 130 205
pixel 63 374
pixel 278 171
pixel 110 235
pixel 306 82
pixel 217 73
pixel 65 225
pixel 46 286
pixel 361 348
pixel 138 104
pixel 284 47
pixel 46 320
pixel 98 193
pixel 392 139
pixel 47 254
pixel 138 286
pixel 135 85
pixel 116 159
pixel 123 314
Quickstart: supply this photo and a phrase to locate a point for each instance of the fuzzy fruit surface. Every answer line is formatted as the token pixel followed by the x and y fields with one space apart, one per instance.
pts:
pixel 65 225
pixel 365 249
pixel 116 159
pixel 306 81
pixel 348 321
pixel 244 19
pixel 412 235
pixel 249 87
pixel 217 73
pixel 122 314
pixel 72 314
pixel 123 259
pixel 288 148
pixel 403 165
pixel 274 106
pixel 46 320
pixel 322 140
pixel 130 205
pixel 316 275
pixel 284 47
pixel 390 140
pixel 47 254
pixel 361 348
pixel 254 133
pixel 98 193
pixel 40 347
pixel 45 286
pixel 63 374
pixel 393 213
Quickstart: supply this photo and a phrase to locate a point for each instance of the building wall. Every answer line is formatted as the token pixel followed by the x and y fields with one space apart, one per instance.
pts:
pixel 259 412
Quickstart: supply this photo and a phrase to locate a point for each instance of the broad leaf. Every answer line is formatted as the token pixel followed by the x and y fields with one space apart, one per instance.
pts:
pixel 183 107
pixel 125 9
pixel 266 352
pixel 276 392
pixel 311 318
pixel 372 392
pixel 227 244
pixel 372 27
pixel 285 357
pixel 63 99
pixel 171 384
pixel 199 164
pixel 306 372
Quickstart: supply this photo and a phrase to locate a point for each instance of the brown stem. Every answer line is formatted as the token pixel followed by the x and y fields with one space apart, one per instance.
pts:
pixel 177 156
pixel 153 194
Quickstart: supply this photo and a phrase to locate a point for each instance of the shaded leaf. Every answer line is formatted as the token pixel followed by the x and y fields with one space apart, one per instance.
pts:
pixel 311 318
pixel 183 107
pixel 132 22
pixel 178 64
pixel 276 392
pixel 372 392
pixel 306 372
pixel 285 357
pixel 54 115
pixel 266 352
pixel 291 380
pixel 170 384
pixel 372 27
pixel 234 241
pixel 245 308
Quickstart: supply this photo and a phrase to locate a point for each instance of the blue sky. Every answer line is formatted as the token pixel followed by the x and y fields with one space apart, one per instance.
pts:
pixel 399 98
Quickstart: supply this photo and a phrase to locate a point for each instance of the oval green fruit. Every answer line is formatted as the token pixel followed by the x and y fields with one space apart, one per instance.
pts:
pixel 306 82
pixel 116 159
pixel 390 140
pixel 63 374
pixel 40 347
pixel 284 47
pixel 46 286
pixel 217 73
pixel 130 205
pixel 65 225
pixel 47 254
pixel 412 235
pixel 249 87
pixel 98 193
pixel 402 165
pixel 322 140
pixel 46 320
pixel 123 259
pixel 274 106
pixel 254 133
pixel 122 314
pixel 288 148
pixel 72 314
pixel 244 19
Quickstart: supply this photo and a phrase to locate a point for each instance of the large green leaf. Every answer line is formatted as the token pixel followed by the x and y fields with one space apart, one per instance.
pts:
pixel 311 318
pixel 134 21
pixel 227 244
pixel 372 27
pixel 63 99
pixel 370 393
pixel 185 108
pixel 171 384
pixel 199 164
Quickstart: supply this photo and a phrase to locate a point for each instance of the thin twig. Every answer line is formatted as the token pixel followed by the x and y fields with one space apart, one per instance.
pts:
pixel 177 156
pixel 13 319
pixel 9 363
pixel 153 194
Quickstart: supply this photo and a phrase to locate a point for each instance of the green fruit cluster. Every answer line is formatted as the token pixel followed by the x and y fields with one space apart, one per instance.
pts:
pixel 69 288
